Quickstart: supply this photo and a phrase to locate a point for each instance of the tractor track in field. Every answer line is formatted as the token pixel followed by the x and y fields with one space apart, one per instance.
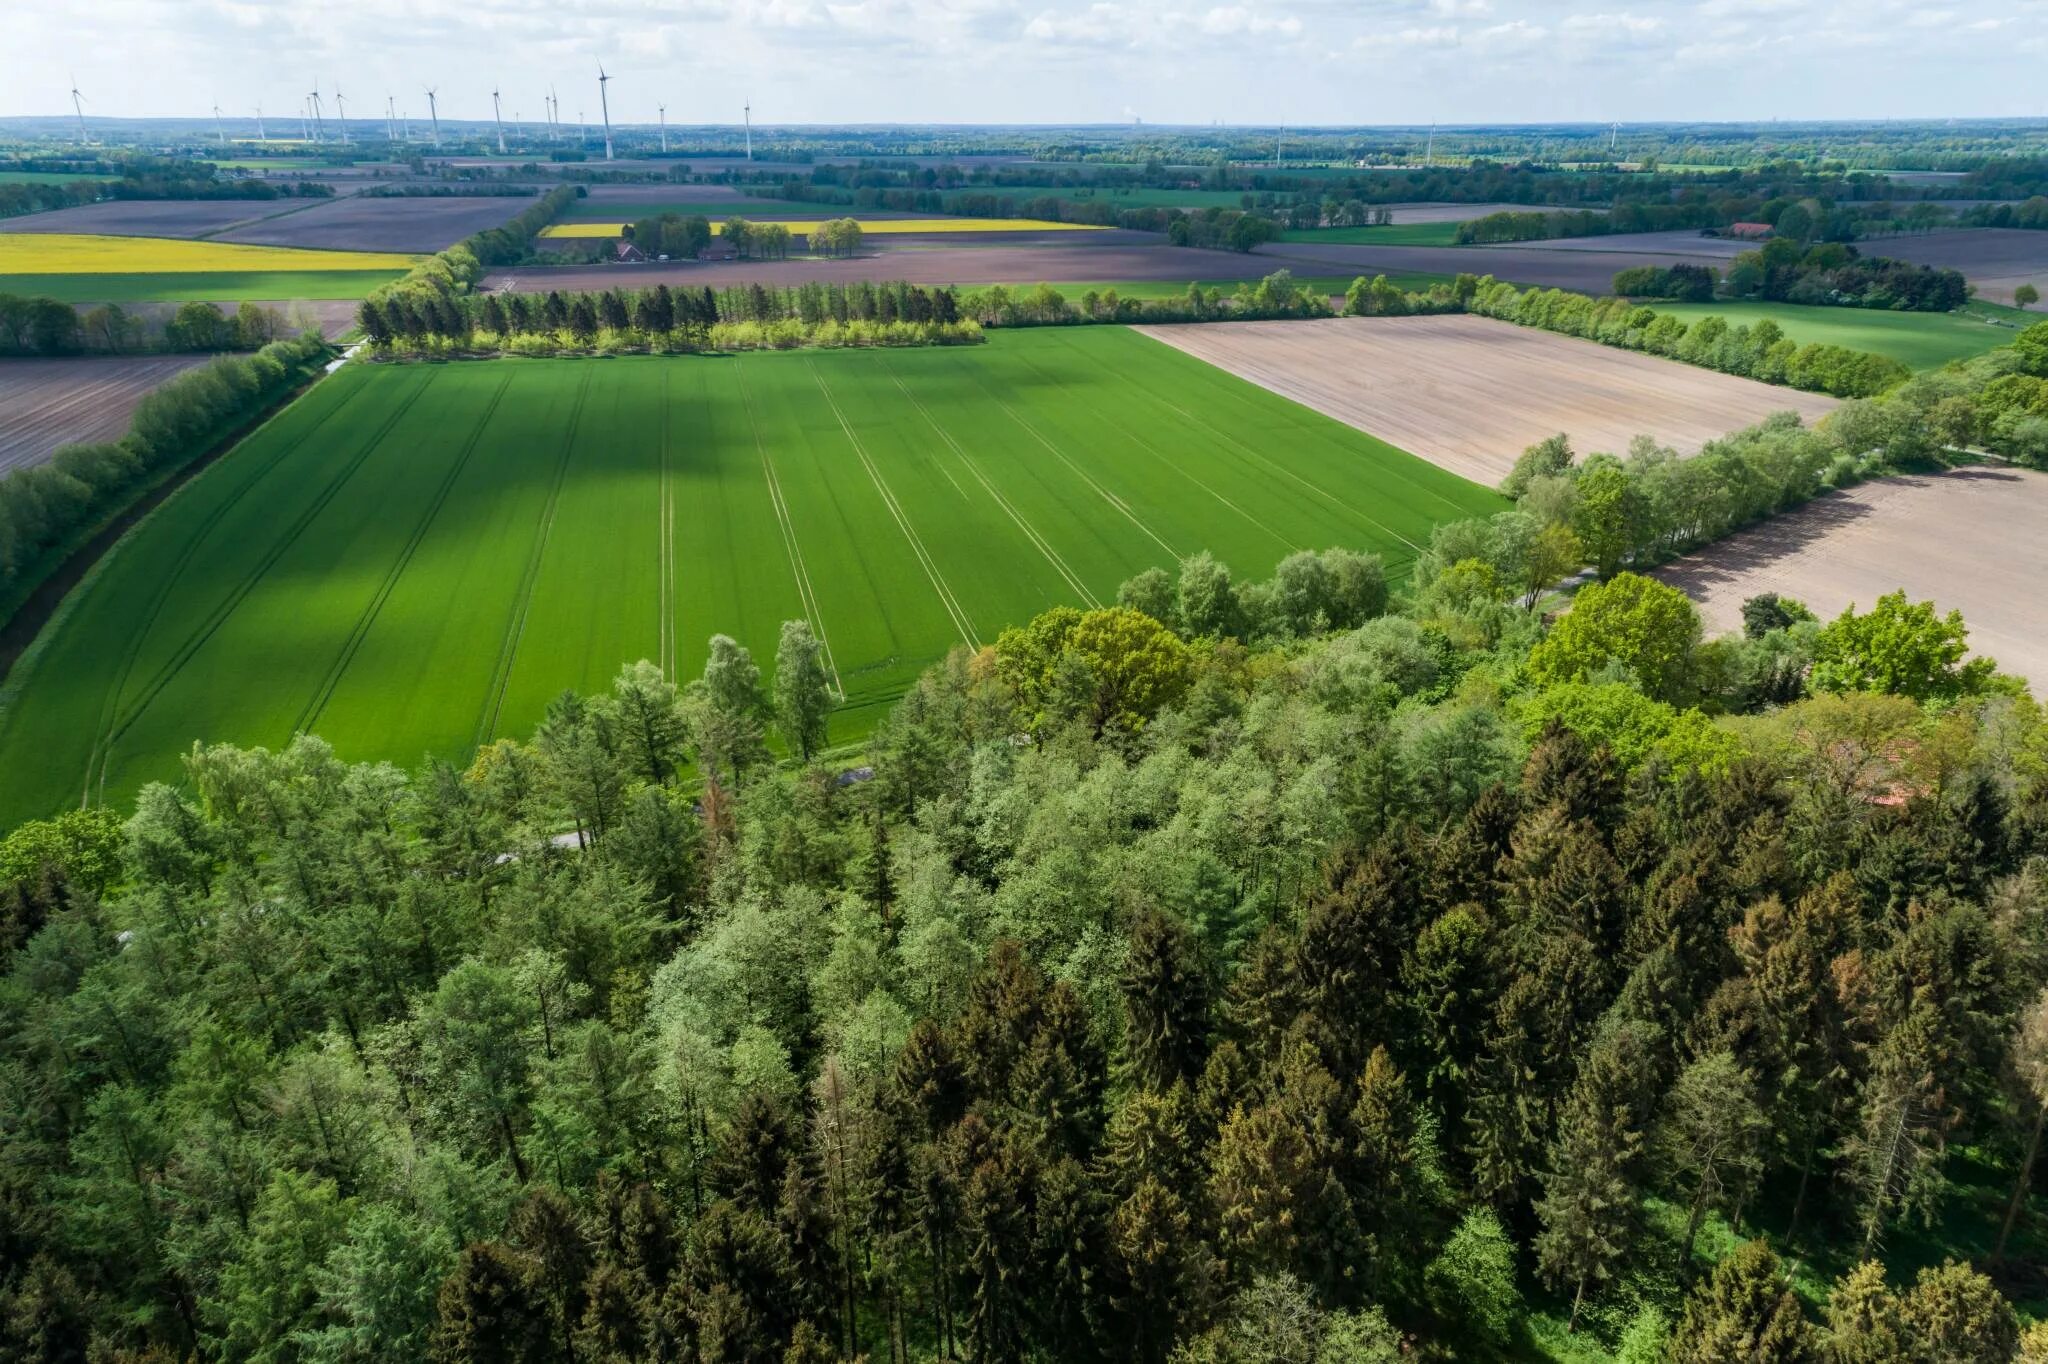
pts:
pixel 1044 546
pixel 1107 496
pixel 240 592
pixel 368 618
pixel 797 567
pixel 961 620
pixel 1271 464
pixel 1218 379
pixel 1168 464
pixel 515 629
pixel 665 518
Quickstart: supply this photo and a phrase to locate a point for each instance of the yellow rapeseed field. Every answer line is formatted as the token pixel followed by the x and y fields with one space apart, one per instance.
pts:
pixel 65 253
pixel 871 226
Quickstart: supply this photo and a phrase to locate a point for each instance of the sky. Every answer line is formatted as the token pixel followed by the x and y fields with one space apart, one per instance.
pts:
pixel 1295 62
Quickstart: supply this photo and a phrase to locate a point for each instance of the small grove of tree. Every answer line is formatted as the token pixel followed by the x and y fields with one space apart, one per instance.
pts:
pixel 1834 273
pixel 1682 283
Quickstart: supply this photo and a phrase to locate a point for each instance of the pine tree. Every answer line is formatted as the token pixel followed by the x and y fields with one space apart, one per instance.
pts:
pixel 1744 1314
pixel 1710 1139
pixel 491 1310
pixel 1589 1203
pixel 1167 998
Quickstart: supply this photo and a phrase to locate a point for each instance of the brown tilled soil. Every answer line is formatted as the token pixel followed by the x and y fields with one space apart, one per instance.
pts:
pixel 1057 261
pixel 366 223
pixel 1968 539
pixel 1470 394
pixel 156 217
pixel 1996 260
pixel 1687 245
pixel 48 403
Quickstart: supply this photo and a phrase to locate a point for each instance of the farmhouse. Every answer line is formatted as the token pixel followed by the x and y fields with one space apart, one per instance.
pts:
pixel 1747 231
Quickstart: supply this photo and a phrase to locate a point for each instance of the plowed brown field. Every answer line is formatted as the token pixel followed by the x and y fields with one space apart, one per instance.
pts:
pixel 48 403
pixel 1968 539
pixel 1469 394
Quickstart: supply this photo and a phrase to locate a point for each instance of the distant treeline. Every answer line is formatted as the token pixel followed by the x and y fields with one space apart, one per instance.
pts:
pixel 665 320
pixel 148 180
pixel 1275 296
pixel 48 511
pixel 2031 213
pixel 33 325
pixel 1799 219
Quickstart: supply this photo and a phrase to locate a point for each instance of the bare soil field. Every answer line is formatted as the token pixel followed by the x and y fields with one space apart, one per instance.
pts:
pixel 186 218
pixel 1996 260
pixel 360 223
pixel 1684 242
pixel 1968 539
pixel 938 264
pixel 709 195
pixel 48 403
pixel 1469 394
pixel 1456 213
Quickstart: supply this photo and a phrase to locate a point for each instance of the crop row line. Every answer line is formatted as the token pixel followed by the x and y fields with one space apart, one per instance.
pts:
pixel 515 628
pixel 325 693
pixel 220 614
pixel 931 568
pixel 103 737
pixel 1078 471
pixel 798 569
pixel 1052 555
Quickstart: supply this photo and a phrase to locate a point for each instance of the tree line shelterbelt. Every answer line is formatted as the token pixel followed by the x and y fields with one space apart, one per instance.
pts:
pixel 36 325
pixel 1278 970
pixel 48 511
pixel 1826 273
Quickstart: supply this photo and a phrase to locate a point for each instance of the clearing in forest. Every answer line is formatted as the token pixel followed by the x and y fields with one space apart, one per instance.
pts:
pixel 413 559
pixel 1470 394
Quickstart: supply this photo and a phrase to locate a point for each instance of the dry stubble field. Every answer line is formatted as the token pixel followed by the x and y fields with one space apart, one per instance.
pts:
pixel 1968 539
pixel 1469 393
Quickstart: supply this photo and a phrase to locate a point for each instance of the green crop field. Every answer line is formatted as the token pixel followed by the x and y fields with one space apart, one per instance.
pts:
pixel 413 559
pixel 1393 234
pixel 1920 340
pixel 1116 197
pixel 222 287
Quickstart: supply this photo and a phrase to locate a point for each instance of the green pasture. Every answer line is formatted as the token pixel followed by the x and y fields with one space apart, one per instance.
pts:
pixel 1393 234
pixel 224 287
pixel 8 177
pixel 414 559
pixel 1920 340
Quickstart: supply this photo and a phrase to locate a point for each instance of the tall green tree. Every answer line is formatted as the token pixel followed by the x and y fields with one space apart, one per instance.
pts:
pixel 803 695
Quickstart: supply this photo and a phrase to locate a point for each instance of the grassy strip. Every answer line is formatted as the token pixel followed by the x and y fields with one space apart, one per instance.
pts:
pixel 1393 234
pixel 1918 340
pixel 233 286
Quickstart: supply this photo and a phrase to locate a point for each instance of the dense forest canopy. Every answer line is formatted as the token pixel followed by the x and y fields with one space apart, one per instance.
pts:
pixel 1308 969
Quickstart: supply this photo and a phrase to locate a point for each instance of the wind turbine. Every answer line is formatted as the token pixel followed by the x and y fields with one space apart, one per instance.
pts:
pixel 390 118
pixel 1613 138
pixel 305 121
pixel 747 113
pixel 554 115
pixel 662 109
pixel 314 99
pixel 218 127
pixel 78 108
pixel 498 116
pixel 261 136
pixel 603 100
pixel 434 112
pixel 340 116
pixel 1429 149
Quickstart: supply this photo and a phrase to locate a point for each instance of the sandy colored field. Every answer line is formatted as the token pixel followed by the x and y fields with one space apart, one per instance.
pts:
pixel 1968 539
pixel 1470 394
pixel 48 403
pixel 377 223
pixel 1000 262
